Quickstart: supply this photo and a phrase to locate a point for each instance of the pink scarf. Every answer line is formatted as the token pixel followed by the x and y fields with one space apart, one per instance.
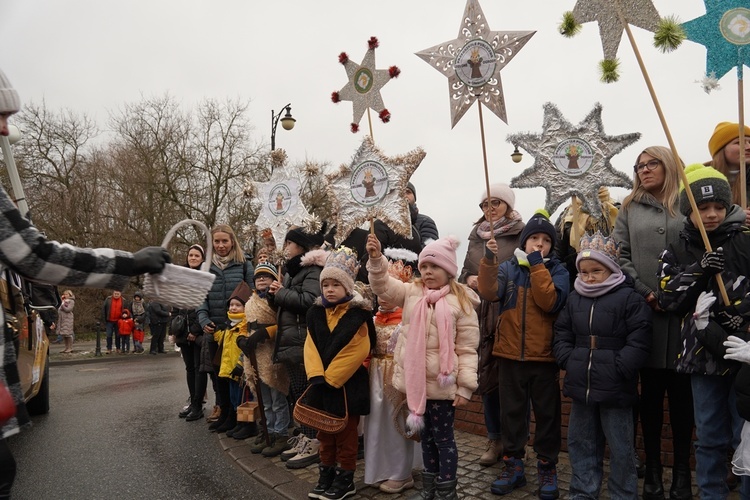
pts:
pixel 416 344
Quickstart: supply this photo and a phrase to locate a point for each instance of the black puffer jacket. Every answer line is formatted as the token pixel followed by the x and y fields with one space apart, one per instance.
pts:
pixel 742 389
pixel 607 375
pixel 301 288
pixel 214 309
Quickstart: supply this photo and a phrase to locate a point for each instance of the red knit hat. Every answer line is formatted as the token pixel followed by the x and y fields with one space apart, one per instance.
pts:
pixel 442 253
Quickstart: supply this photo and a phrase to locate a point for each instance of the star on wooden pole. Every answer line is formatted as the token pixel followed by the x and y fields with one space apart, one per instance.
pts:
pixel 572 160
pixel 372 186
pixel 725 31
pixel 363 87
pixel 280 202
pixel 472 62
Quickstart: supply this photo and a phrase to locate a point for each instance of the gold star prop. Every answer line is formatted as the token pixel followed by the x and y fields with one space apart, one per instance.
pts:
pixel 472 62
pixel 372 186
pixel 280 202
pixel 572 160
pixel 365 82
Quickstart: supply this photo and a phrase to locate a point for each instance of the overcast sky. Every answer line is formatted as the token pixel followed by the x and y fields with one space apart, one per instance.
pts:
pixel 93 56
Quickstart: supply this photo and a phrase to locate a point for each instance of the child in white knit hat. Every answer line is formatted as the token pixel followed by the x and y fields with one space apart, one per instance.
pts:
pixel 436 353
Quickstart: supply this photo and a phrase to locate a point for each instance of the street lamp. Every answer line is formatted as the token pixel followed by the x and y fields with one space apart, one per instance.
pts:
pixel 287 122
pixel 516 155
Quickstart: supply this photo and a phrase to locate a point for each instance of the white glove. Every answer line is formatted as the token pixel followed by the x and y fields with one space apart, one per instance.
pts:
pixel 737 349
pixel 702 307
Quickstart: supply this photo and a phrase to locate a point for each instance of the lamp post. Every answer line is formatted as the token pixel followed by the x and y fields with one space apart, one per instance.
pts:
pixel 287 122
pixel 516 155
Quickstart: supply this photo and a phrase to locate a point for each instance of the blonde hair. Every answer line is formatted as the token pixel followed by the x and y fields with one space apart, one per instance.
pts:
pixel 236 254
pixel 457 289
pixel 69 293
pixel 671 187
pixel 720 163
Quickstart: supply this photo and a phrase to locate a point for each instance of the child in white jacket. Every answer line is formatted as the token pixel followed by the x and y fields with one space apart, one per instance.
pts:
pixel 436 354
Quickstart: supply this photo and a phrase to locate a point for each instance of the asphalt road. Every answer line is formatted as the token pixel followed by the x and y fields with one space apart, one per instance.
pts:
pixel 113 433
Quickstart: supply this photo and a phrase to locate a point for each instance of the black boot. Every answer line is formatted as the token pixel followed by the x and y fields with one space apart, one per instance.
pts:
pixel 653 489
pixel 681 488
pixel 247 430
pixel 342 487
pixel 326 475
pixel 428 487
pixel 219 421
pixel 229 423
pixel 446 490
pixel 236 428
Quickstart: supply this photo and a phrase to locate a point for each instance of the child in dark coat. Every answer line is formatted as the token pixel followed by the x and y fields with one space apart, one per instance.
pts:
pixel 340 335
pixel 602 339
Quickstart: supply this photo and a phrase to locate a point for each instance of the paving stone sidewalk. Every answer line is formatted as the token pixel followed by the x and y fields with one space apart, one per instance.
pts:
pixel 474 480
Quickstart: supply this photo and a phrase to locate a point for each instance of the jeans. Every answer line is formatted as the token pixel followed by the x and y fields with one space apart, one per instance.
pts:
pixel 111 327
pixel 235 392
pixel 276 408
pixel 716 424
pixel 590 426
pixel 125 342
pixel 491 403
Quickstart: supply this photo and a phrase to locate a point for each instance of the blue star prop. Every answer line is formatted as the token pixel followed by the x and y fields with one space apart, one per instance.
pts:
pixel 723 30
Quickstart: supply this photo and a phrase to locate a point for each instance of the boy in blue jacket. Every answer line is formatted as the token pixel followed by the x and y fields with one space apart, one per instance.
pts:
pixel 532 288
pixel 602 339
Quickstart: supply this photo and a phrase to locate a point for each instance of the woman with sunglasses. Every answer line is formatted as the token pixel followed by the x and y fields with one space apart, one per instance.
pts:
pixel 648 222
pixel 506 230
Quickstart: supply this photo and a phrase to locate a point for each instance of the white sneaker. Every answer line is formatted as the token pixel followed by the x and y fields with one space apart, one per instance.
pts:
pixel 308 456
pixel 297 444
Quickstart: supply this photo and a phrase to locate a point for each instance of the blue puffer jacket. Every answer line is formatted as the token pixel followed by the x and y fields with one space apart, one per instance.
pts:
pixel 214 309
pixel 608 374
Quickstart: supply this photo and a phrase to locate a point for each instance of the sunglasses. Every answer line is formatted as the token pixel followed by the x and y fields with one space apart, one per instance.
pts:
pixel 651 165
pixel 495 203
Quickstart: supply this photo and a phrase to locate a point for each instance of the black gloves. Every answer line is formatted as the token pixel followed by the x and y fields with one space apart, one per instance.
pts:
pixel 237 372
pixel 535 258
pixel 733 316
pixel 150 260
pixel 248 344
pixel 713 262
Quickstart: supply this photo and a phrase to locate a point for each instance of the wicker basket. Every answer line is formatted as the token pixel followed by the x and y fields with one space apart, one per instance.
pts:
pixel 319 419
pixel 180 286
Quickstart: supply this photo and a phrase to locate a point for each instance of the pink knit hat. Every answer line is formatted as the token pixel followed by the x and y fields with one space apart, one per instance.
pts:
pixel 442 253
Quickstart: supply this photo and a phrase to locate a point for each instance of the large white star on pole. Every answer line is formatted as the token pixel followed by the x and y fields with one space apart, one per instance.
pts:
pixel 372 186
pixel 281 205
pixel 472 62
pixel 572 160
pixel 363 87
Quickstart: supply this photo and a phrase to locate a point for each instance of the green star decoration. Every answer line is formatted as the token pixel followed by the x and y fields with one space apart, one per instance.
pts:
pixel 640 13
pixel 723 30
pixel 372 186
pixel 472 62
pixel 364 85
pixel 572 160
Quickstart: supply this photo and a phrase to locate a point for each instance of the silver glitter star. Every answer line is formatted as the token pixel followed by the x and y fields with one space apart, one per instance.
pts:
pixel 365 82
pixel 572 160
pixel 281 205
pixel 472 62
pixel 640 13
pixel 372 187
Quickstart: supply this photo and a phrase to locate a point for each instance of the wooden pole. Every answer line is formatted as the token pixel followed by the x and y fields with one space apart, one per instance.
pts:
pixel 741 105
pixel 672 146
pixel 259 396
pixel 486 170
pixel 369 122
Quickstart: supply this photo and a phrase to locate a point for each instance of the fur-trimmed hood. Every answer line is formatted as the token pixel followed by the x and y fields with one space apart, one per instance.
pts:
pixel 315 257
pixel 357 302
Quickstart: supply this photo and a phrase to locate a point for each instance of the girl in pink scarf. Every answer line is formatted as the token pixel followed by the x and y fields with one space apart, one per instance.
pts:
pixel 436 354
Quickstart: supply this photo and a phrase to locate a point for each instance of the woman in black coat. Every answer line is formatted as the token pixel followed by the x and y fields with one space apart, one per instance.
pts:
pixel 189 340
